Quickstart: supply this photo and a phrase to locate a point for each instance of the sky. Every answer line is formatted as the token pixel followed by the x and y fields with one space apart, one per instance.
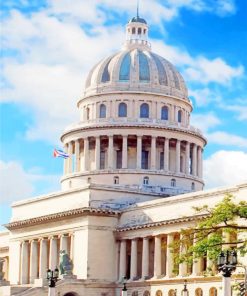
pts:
pixel 49 46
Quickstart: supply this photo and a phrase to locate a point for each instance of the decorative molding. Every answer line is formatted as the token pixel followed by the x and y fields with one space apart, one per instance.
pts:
pixel 59 216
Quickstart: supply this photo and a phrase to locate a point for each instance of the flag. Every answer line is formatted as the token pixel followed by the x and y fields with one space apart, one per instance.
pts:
pixel 60 153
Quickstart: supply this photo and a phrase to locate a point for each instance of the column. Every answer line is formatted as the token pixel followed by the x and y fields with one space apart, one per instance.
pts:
pixel 196 267
pixel 66 160
pixel 139 152
pixel 97 153
pixel 194 160
pixel 145 258
pixel 24 263
pixel 166 155
pixel 157 256
pixel 43 258
pixel 170 255
pixel 110 152
pixel 125 152
pixel 122 260
pixel 178 144
pixel 133 263
pixel 86 154
pixel 64 243
pixel 187 158
pixel 53 253
pixel 70 159
pixel 33 261
pixel 77 155
pixel 182 266
pixel 199 162
pixel 153 153
pixel 71 249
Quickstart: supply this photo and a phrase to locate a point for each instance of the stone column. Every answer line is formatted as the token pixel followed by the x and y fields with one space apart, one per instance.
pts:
pixel 196 267
pixel 110 152
pixel 194 160
pixel 86 154
pixel 122 260
pixel 97 153
pixel 43 258
pixel 71 249
pixel 153 153
pixel 125 152
pixel 182 266
pixel 77 155
pixel 24 263
pixel 145 258
pixel 199 162
pixel 178 144
pixel 170 256
pixel 33 261
pixel 133 263
pixel 70 159
pixel 157 256
pixel 187 159
pixel 139 152
pixel 66 160
pixel 53 253
pixel 64 243
pixel 166 155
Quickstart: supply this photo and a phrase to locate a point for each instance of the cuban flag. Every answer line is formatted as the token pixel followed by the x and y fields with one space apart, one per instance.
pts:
pixel 60 153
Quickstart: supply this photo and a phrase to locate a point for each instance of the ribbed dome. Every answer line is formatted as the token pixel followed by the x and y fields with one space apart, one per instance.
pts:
pixel 136 68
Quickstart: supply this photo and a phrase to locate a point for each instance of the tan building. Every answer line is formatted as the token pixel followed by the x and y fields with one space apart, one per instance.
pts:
pixel 133 174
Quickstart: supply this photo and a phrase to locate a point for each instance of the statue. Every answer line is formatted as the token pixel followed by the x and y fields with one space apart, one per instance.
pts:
pixel 65 263
pixel 1 269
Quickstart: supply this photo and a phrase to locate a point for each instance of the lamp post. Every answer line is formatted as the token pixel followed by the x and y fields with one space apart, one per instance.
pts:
pixel 52 276
pixel 185 291
pixel 227 262
pixel 124 290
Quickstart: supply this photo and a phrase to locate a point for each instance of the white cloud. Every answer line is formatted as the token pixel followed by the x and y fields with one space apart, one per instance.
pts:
pixel 203 96
pixel 205 121
pixel 225 168
pixel 224 138
pixel 240 109
pixel 16 183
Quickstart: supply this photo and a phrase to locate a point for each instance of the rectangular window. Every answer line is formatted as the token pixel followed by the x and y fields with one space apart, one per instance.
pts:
pixel 145 160
pixel 102 160
pixel 162 160
pixel 119 159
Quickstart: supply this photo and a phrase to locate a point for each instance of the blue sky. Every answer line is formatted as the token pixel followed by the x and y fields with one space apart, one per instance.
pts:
pixel 48 47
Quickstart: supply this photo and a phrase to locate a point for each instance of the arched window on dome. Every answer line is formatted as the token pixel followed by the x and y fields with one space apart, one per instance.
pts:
pixel 139 31
pixel 124 72
pixel 144 73
pixel 122 110
pixel 88 113
pixel 102 111
pixel 164 113
pixel 144 110
pixel 179 116
pixel 173 182
pixel 133 30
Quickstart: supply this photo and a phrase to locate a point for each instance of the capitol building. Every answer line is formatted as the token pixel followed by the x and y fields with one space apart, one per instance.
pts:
pixel 133 176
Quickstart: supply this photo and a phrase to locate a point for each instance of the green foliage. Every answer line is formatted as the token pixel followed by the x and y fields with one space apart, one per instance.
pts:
pixel 206 239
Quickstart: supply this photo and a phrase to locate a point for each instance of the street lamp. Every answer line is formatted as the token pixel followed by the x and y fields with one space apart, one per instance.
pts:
pixel 124 290
pixel 227 262
pixel 52 276
pixel 185 291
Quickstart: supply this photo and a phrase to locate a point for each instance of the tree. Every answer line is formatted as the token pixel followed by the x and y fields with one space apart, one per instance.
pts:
pixel 223 226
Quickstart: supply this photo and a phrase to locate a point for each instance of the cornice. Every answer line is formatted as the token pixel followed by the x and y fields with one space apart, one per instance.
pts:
pixel 59 216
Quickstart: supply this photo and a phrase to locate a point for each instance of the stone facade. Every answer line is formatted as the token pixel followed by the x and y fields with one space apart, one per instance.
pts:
pixel 133 174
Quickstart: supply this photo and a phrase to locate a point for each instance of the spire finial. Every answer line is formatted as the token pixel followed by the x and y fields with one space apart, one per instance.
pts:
pixel 137 9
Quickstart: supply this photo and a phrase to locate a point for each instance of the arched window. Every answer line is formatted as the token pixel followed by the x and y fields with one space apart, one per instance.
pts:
pixel 198 292
pixel 158 293
pixel 139 31
pixel 146 293
pixel 89 180
pixel 116 180
pixel 133 30
pixel 88 113
pixel 192 186
pixel 213 291
pixel 171 293
pixel 164 113
pixel 102 111
pixel 122 110
pixel 135 293
pixel 144 110
pixel 179 116
pixel 145 181
pixel 173 183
